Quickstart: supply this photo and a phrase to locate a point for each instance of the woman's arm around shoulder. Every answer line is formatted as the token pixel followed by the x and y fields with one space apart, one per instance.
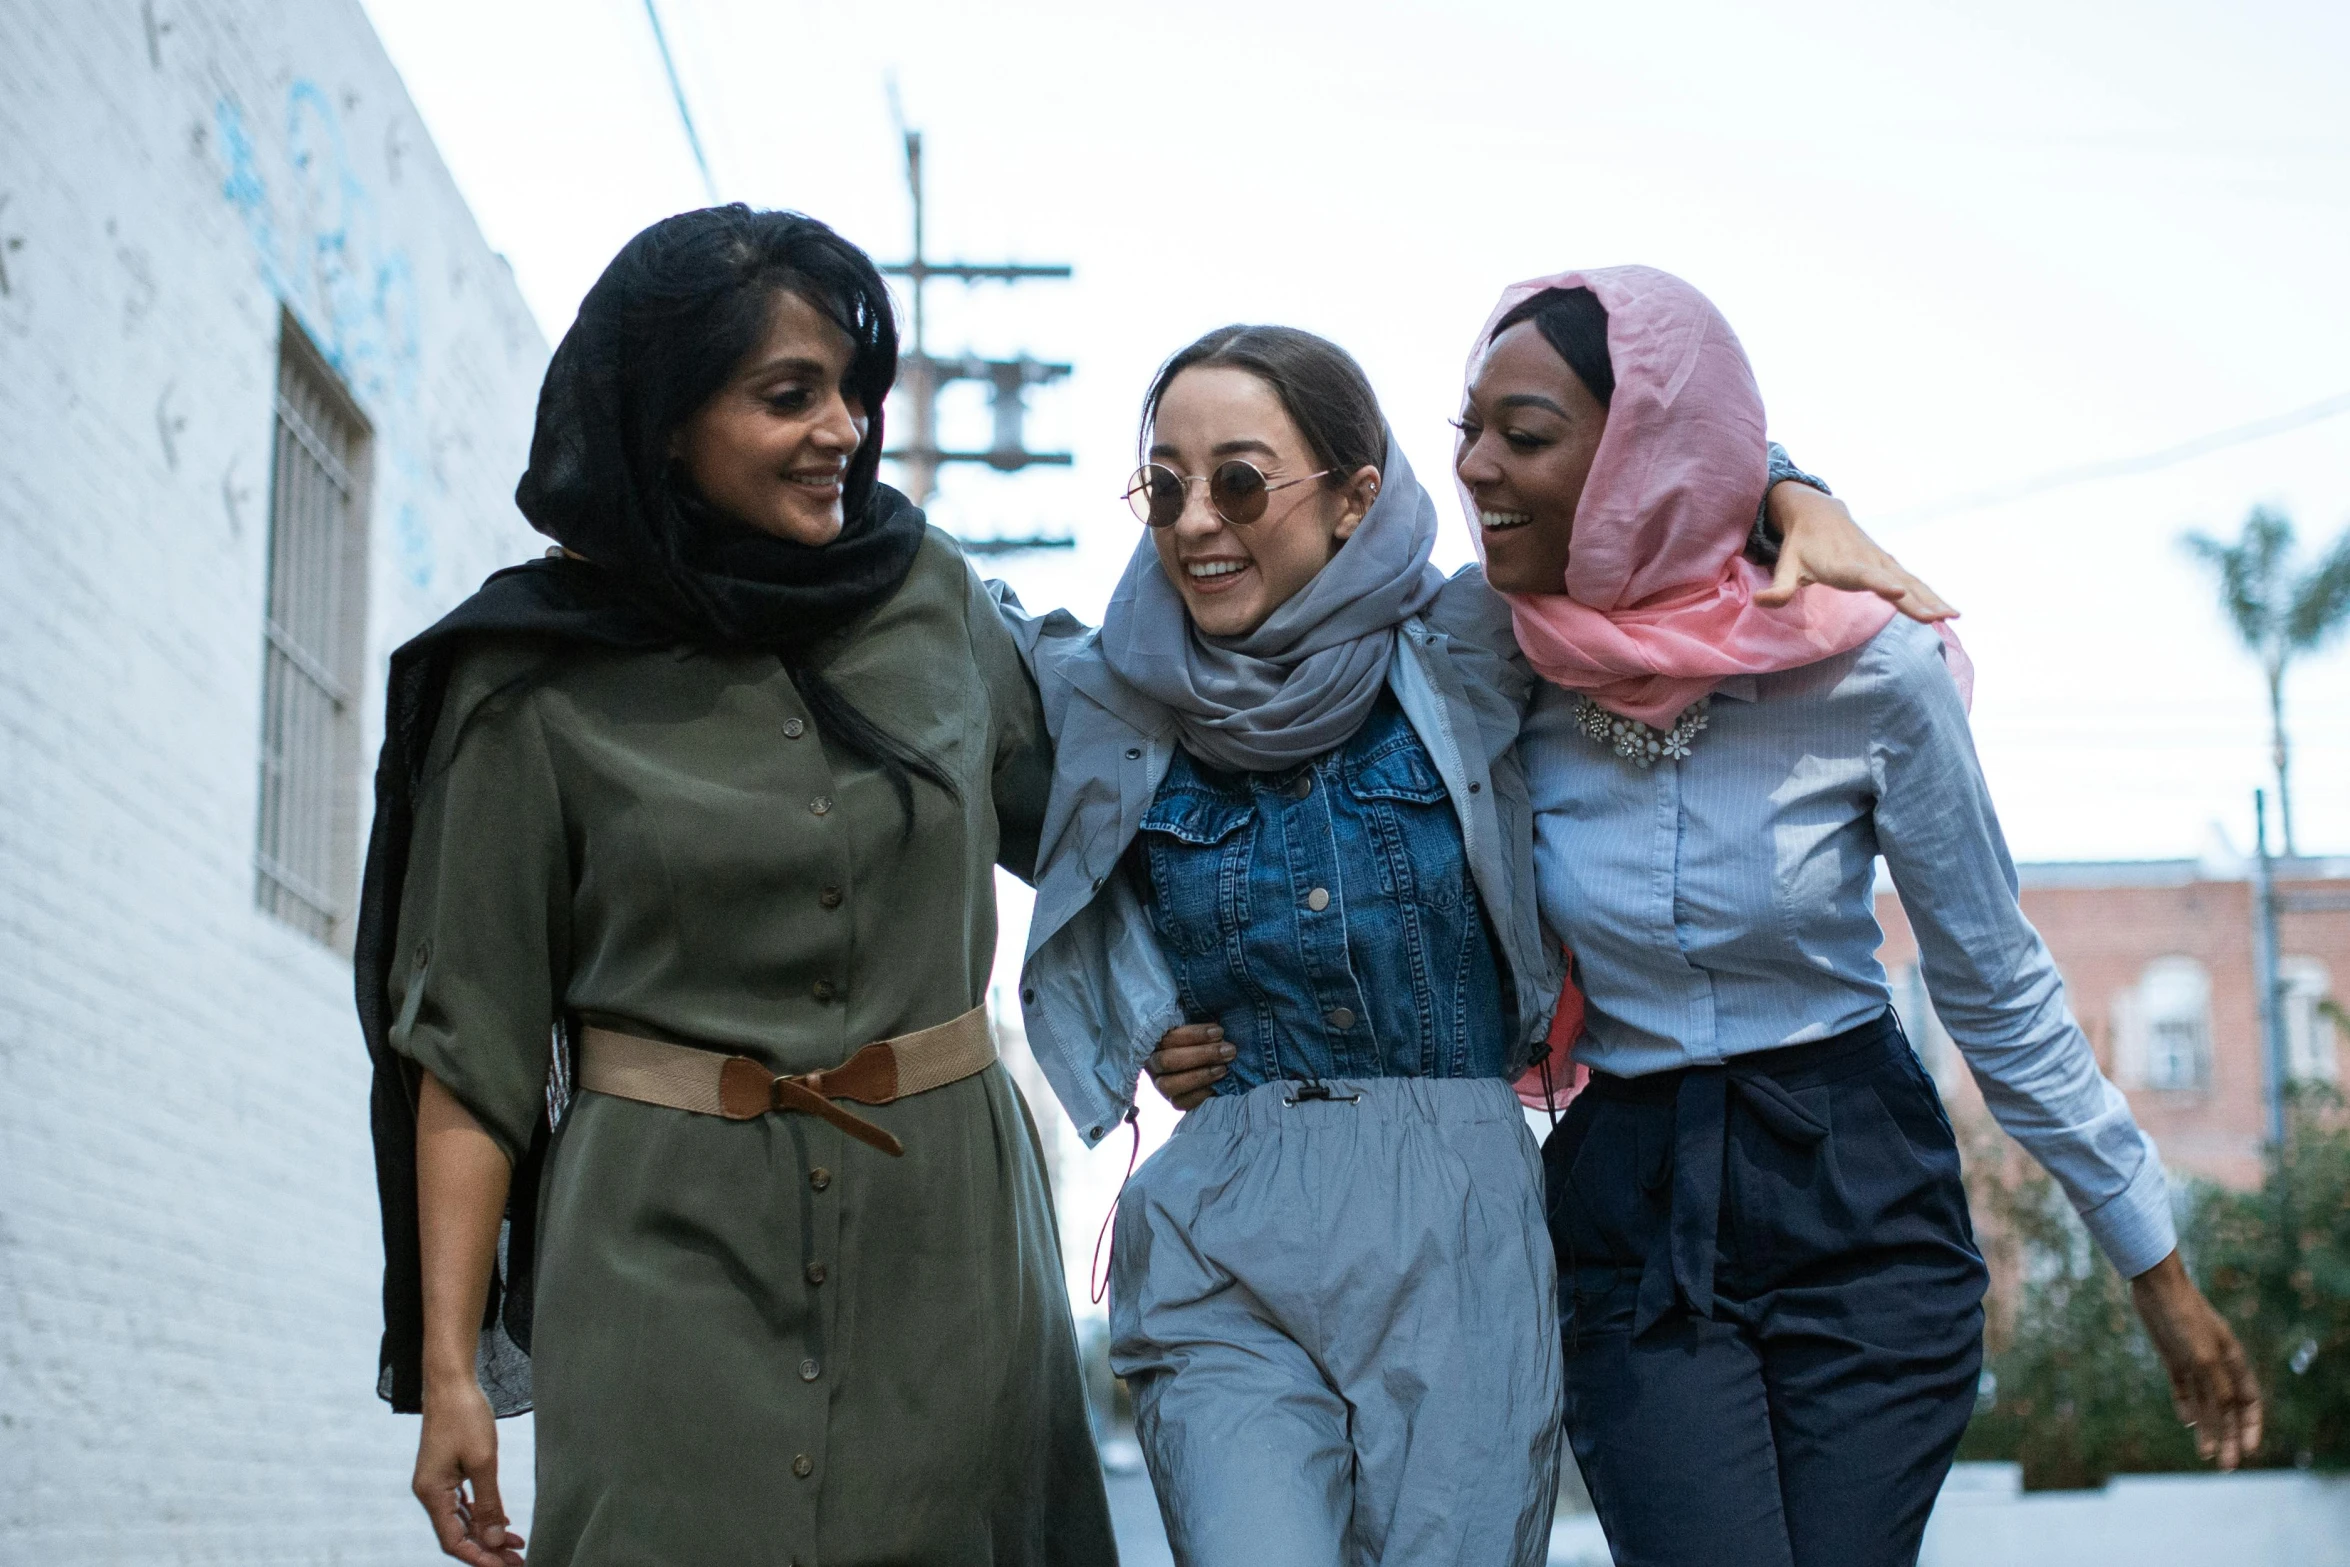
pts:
pixel 1021 765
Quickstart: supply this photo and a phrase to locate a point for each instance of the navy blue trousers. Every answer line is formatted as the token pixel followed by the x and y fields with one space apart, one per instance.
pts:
pixel 1771 1302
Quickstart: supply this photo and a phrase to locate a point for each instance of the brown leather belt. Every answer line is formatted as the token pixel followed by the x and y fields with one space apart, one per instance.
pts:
pixel 655 1072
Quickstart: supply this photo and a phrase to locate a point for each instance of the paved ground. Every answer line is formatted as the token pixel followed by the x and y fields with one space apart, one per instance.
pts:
pixel 2274 1519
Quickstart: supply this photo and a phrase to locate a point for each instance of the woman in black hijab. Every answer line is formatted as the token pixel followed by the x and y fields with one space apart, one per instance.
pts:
pixel 711 801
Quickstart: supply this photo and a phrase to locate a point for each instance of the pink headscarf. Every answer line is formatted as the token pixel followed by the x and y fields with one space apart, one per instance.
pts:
pixel 1659 602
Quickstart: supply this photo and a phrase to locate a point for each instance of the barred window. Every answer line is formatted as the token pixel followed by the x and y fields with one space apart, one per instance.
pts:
pixel 312 645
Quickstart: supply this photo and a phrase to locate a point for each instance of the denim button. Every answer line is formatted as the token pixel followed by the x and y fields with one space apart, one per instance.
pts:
pixel 1303 787
pixel 1318 899
pixel 1340 1018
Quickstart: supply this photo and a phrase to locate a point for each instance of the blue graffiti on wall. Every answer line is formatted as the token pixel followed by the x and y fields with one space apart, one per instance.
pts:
pixel 319 244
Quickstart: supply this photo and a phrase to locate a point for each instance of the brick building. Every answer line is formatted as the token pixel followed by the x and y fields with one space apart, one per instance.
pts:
pixel 2157 963
pixel 266 393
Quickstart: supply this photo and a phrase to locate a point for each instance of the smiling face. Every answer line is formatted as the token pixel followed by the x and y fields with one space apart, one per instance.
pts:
pixel 1233 577
pixel 772 446
pixel 1528 436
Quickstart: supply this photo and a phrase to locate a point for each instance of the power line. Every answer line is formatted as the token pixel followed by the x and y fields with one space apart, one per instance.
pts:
pixel 2062 478
pixel 685 115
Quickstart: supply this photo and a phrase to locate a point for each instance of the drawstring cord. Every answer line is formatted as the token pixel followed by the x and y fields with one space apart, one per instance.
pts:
pixel 1097 1277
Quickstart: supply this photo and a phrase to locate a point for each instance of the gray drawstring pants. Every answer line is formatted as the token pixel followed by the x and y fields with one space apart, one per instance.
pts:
pixel 1339 1323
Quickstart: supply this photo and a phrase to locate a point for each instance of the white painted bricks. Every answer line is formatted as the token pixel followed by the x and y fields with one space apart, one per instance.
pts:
pixel 188 1254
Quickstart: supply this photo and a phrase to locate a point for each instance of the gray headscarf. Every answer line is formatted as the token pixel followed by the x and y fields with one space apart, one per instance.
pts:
pixel 1303 682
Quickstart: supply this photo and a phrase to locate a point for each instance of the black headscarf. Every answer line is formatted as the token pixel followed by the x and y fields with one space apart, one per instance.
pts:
pixel 652 566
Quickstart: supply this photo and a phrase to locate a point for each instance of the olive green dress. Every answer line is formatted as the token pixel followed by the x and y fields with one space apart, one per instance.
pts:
pixel 759 1342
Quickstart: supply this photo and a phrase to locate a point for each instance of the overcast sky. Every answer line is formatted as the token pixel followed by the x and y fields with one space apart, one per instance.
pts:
pixel 1964 245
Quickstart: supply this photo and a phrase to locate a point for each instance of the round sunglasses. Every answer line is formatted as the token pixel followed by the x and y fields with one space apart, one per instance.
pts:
pixel 1237 492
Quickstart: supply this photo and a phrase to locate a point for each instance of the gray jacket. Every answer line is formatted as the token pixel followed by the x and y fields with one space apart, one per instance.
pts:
pixel 1096 991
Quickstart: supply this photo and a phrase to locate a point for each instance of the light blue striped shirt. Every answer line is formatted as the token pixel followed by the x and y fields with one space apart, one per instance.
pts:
pixel 1724 903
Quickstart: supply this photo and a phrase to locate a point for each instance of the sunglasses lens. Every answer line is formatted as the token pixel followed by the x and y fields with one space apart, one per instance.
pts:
pixel 1156 495
pixel 1238 491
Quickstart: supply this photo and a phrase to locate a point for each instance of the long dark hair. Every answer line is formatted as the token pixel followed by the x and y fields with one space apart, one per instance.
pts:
pixel 1574 323
pixel 1324 391
pixel 667 325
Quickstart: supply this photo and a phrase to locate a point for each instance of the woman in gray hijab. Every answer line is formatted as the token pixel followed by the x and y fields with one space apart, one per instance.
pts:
pixel 1286 812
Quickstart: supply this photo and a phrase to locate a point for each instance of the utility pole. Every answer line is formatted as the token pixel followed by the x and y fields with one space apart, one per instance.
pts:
pixel 922 376
pixel 2264 972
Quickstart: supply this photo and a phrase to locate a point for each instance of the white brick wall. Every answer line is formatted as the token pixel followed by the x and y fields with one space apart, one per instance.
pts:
pixel 188 1253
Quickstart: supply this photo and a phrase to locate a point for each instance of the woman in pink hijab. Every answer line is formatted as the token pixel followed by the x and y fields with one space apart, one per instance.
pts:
pixel 1770 1294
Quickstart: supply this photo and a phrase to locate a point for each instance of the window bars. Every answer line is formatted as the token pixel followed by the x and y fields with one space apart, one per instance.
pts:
pixel 311 646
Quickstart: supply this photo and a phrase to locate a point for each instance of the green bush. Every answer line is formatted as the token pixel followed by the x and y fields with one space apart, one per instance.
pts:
pixel 2075 1392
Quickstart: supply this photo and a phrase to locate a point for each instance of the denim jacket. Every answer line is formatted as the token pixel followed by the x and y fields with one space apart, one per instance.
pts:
pixel 1326 915
pixel 1097 989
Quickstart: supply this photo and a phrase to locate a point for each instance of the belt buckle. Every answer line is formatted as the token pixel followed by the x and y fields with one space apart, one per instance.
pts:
pixel 1318 1092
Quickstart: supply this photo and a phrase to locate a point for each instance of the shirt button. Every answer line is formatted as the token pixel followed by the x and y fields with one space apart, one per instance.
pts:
pixel 815 1273
pixel 803 1466
pixel 820 1177
pixel 829 897
pixel 820 805
pixel 824 990
pixel 1318 899
pixel 810 1371
pixel 793 729
pixel 1340 1017
pixel 1303 787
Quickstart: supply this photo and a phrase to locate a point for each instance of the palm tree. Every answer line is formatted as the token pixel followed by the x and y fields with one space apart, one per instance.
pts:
pixel 2278 612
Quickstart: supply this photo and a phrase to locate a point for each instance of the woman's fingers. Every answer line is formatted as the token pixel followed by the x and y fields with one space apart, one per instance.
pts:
pixel 458 1446
pixel 1787 576
pixel 2211 1382
pixel 1189 1061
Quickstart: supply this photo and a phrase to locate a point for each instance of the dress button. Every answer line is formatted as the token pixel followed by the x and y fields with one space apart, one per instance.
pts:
pixel 810 1371
pixel 820 805
pixel 793 729
pixel 1340 1017
pixel 824 990
pixel 803 1466
pixel 1303 787
pixel 829 897
pixel 820 1177
pixel 1318 899
pixel 815 1273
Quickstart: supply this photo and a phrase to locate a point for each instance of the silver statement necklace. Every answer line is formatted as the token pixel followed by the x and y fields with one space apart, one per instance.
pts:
pixel 1641 743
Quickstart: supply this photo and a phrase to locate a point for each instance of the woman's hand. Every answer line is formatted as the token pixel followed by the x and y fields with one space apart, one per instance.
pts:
pixel 457 1476
pixel 2210 1383
pixel 1822 544
pixel 1187 1063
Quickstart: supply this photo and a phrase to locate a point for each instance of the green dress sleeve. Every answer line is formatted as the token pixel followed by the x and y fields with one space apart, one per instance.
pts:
pixel 1022 775
pixel 484 914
